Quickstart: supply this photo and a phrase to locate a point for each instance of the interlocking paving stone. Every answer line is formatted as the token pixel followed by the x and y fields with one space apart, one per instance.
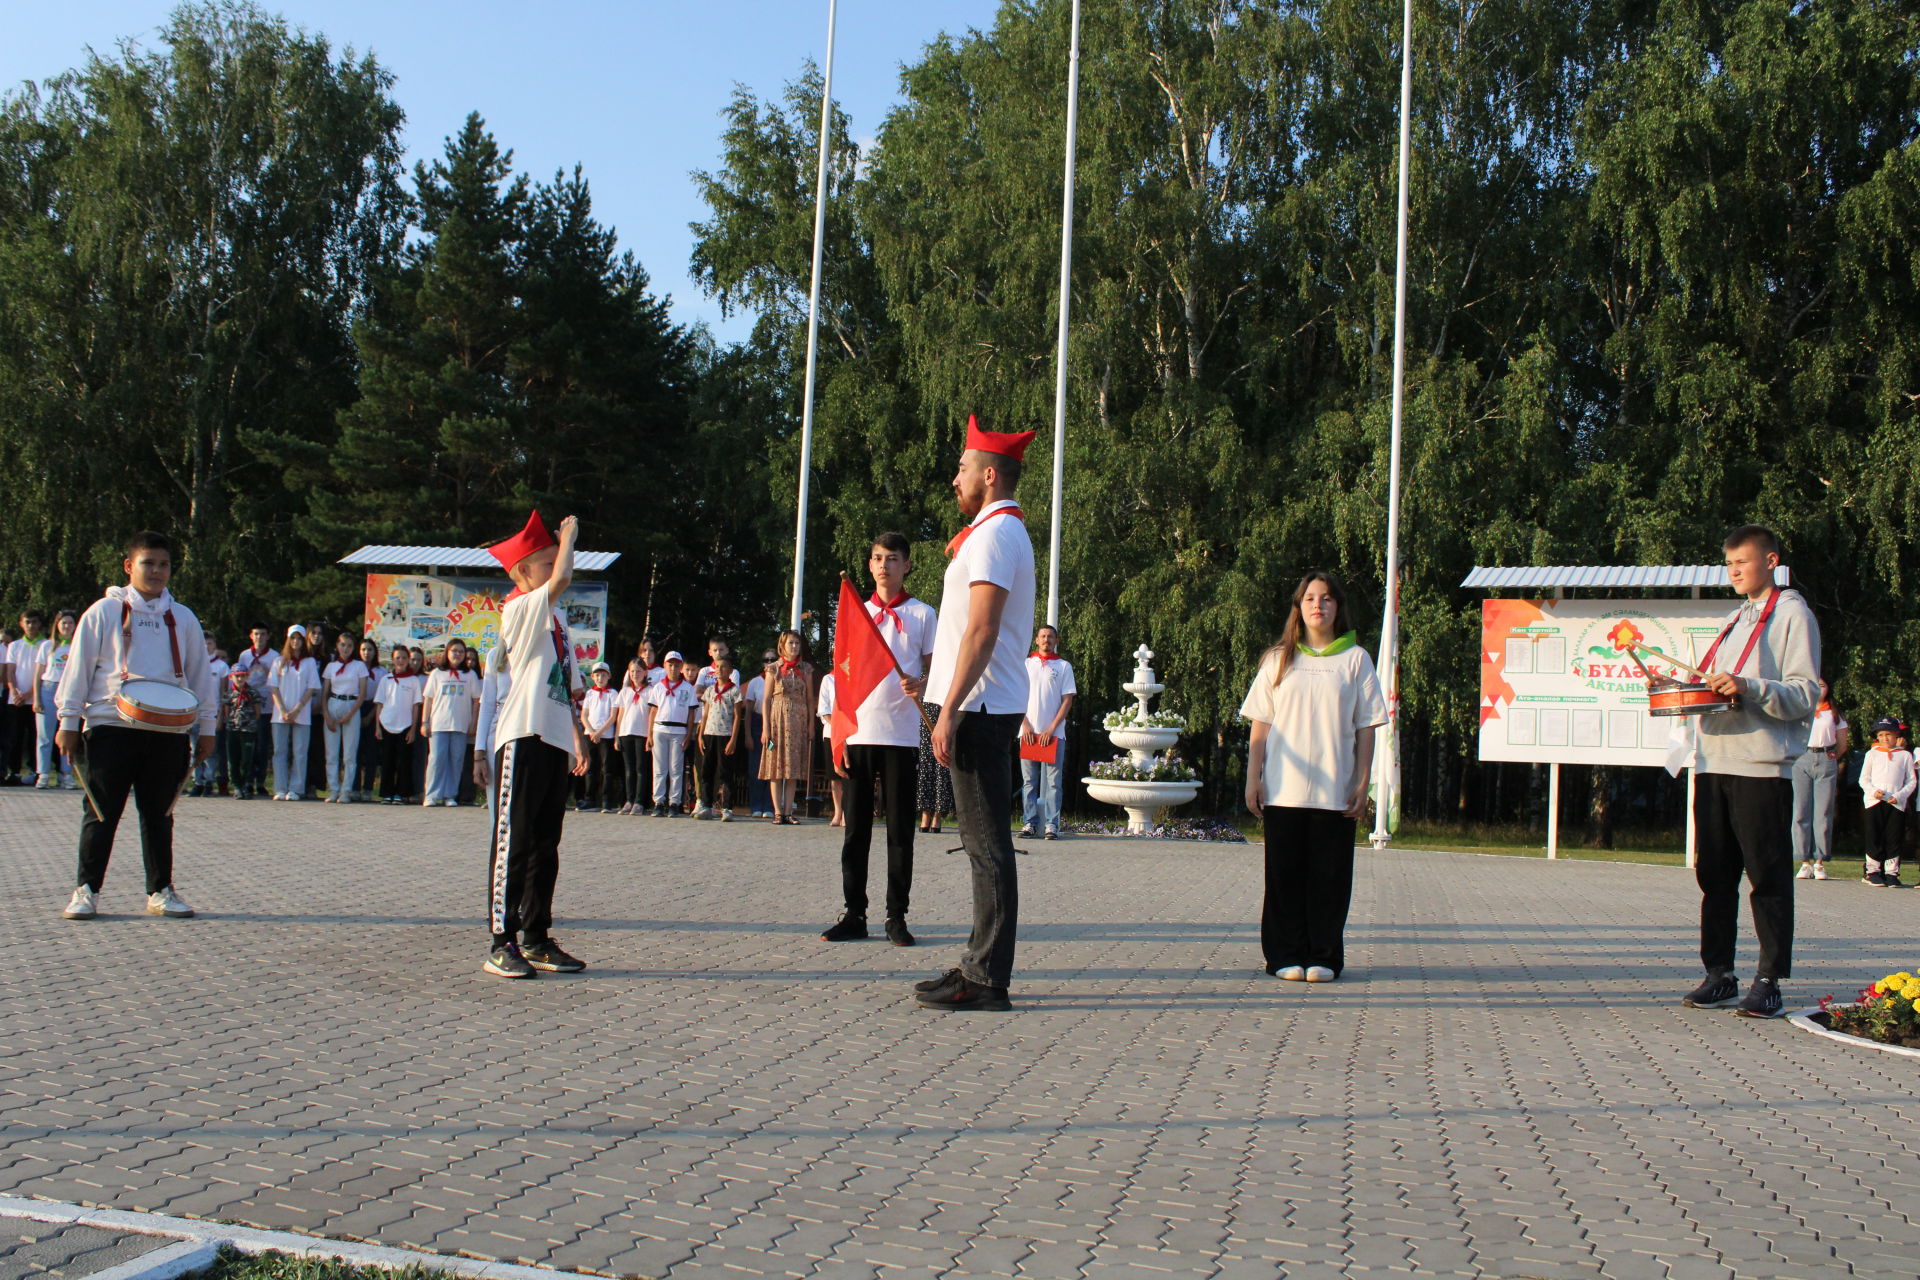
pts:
pixel 62 1252
pixel 1503 1083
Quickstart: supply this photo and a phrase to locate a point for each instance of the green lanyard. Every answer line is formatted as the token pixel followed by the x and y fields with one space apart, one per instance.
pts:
pixel 1341 645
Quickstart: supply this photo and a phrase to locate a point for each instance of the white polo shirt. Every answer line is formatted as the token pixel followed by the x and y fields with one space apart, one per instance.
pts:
pixel 597 708
pixel 397 697
pixel 1314 715
pixel 996 551
pixel 888 717
pixel 630 705
pixel 675 701
pixel 345 680
pixel 1049 683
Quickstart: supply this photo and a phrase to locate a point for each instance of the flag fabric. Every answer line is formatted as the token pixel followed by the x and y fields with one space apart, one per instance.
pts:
pixel 861 660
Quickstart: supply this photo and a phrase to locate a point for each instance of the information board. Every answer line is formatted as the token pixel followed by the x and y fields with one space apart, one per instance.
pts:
pixel 418 609
pixel 1558 687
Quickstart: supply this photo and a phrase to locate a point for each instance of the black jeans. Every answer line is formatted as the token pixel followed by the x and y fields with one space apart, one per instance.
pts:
pixel 396 766
pixel 717 771
pixel 530 786
pixel 894 769
pixel 603 774
pixel 983 798
pixel 1745 824
pixel 1309 887
pixel 262 749
pixel 150 766
pixel 639 767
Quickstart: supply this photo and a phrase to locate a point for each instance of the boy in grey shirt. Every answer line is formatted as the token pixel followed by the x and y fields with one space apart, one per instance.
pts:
pixel 1768 656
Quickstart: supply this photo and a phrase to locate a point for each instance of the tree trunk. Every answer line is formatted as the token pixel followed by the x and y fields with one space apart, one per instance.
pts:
pixel 1600 807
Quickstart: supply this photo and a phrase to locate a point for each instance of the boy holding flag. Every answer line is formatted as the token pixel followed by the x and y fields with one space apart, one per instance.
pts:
pixel 881 648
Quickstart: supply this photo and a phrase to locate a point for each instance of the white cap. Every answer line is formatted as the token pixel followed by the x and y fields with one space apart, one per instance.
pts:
pixel 673 655
pixel 598 667
pixel 296 630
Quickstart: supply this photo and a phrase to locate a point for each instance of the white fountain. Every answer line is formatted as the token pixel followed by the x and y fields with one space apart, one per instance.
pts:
pixel 1143 801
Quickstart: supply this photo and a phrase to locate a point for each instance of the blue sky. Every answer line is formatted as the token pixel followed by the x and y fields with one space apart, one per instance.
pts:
pixel 631 91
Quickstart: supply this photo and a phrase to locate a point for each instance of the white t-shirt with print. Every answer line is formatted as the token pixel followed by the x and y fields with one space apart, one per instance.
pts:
pixel 455 695
pixel 1314 715
pixel 1000 552
pixel 541 673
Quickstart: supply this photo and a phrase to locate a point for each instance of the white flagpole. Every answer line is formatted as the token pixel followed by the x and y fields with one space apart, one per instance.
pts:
pixel 813 323
pixel 1066 300
pixel 1385 763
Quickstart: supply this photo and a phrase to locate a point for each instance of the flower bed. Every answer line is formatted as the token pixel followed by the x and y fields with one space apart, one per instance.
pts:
pixel 1886 1013
pixel 1166 767
pixel 1178 829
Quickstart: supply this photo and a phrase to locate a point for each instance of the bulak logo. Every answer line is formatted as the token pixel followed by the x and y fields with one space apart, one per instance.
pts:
pixel 1602 658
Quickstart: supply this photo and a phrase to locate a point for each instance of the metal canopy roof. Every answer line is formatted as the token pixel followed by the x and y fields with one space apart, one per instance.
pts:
pixel 1615 575
pixel 378 557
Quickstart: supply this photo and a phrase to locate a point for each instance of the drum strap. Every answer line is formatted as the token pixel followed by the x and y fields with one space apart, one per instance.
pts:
pixel 1706 663
pixel 126 644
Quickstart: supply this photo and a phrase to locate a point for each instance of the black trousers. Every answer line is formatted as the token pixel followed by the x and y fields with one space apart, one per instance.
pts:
pixel 716 770
pixel 893 771
pixel 530 785
pixel 366 765
pixel 262 748
pixel 317 780
pixel 1309 887
pixel 150 766
pixel 396 766
pixel 639 768
pixel 19 753
pixel 1745 824
pixel 1886 835
pixel 603 774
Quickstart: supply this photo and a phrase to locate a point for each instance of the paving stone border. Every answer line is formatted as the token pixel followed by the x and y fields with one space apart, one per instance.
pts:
pixel 1803 1019
pixel 197 1243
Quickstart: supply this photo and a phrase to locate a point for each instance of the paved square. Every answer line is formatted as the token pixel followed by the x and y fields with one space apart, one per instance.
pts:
pixel 1504 1084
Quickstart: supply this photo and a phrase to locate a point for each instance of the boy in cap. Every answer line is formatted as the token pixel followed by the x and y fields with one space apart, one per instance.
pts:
pixel 598 721
pixel 1886 785
pixel 537 747
pixel 672 717
pixel 979 677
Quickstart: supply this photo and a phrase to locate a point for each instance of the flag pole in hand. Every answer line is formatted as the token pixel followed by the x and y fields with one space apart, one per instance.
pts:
pixel 860 608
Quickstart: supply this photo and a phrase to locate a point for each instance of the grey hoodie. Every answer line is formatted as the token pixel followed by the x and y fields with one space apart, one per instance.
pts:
pixel 1779 689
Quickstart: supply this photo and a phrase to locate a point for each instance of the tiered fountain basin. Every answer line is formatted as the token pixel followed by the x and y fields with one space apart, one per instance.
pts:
pixel 1143 801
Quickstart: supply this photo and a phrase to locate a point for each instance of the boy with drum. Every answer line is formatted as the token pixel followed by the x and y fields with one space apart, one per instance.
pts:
pixel 1767 657
pixel 136 688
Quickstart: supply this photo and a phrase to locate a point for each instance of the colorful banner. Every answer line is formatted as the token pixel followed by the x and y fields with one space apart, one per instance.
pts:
pixel 416 609
pixel 1558 687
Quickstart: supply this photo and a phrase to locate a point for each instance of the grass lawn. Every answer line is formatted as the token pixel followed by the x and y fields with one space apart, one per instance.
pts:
pixel 274 1265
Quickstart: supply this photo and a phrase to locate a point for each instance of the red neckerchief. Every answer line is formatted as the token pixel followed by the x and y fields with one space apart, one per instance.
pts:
pixel 1046 657
pixel 887 607
pixel 672 686
pixel 1706 663
pixel 788 668
pixel 959 539
pixel 722 685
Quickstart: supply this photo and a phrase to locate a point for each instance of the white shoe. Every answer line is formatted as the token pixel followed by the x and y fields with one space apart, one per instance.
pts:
pixel 1805 872
pixel 69 783
pixel 168 903
pixel 726 815
pixel 1320 973
pixel 1819 871
pixel 80 905
pixel 1292 973
pixel 44 783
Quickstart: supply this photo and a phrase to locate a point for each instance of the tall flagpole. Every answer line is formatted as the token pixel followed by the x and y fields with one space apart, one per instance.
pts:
pixel 1386 770
pixel 1066 300
pixel 813 324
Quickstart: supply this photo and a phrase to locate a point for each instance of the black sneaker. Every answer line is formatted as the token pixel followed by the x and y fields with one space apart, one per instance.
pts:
pixel 963 995
pixel 1717 992
pixel 851 928
pixel 507 962
pixel 897 933
pixel 947 979
pixel 1892 879
pixel 1874 878
pixel 1762 1000
pixel 547 955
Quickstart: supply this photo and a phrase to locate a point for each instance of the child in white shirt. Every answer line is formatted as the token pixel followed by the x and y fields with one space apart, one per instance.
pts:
pixel 1886 784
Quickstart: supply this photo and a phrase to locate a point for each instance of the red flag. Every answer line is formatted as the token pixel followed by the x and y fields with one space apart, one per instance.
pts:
pixel 861 660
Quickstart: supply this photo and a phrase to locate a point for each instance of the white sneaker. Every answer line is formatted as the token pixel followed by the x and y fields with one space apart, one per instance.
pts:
pixel 168 903
pixel 69 783
pixel 1292 973
pixel 726 815
pixel 1805 872
pixel 1819 871
pixel 1320 973
pixel 45 783
pixel 80 905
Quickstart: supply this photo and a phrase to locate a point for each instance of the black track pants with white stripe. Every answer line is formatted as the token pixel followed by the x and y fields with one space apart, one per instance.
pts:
pixel 531 782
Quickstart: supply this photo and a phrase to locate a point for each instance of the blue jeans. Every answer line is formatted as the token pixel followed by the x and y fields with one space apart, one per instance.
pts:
pixel 290 742
pixel 49 720
pixel 1042 787
pixel 449 753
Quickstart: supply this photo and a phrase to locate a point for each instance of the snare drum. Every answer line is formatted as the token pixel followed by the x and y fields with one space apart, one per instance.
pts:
pixel 1687 700
pixel 155 704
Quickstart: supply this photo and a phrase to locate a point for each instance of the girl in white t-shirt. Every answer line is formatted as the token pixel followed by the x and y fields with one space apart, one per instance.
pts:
pixel 630 732
pixel 1314 705
pixel 345 679
pixel 295 684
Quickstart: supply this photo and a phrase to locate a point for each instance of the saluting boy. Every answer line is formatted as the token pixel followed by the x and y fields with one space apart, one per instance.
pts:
pixel 538 749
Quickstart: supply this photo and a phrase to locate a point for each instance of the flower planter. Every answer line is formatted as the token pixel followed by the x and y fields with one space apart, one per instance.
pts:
pixel 1805 1021
pixel 1149 740
pixel 1143 801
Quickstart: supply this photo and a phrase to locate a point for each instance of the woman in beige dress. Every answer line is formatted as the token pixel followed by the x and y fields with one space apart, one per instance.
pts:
pixel 786 755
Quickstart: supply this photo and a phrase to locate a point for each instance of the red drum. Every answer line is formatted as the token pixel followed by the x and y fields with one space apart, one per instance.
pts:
pixel 155 704
pixel 1687 700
